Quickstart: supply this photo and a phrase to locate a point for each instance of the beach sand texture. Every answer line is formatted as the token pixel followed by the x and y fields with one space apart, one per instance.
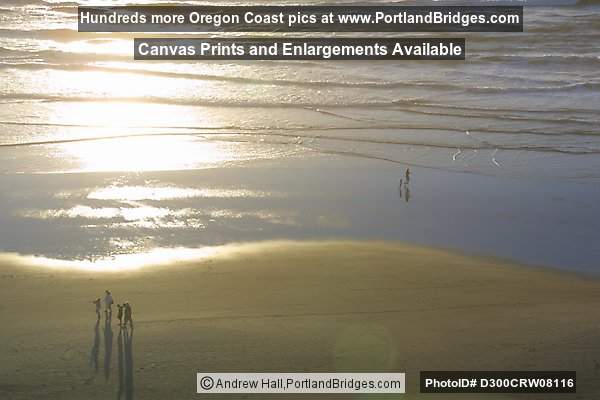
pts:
pixel 293 307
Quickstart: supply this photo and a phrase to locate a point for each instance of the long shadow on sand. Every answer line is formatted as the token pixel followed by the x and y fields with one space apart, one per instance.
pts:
pixel 108 341
pixel 95 347
pixel 125 347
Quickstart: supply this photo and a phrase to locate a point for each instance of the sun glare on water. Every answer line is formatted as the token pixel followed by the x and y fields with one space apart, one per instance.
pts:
pixel 127 131
pixel 127 126
pixel 140 154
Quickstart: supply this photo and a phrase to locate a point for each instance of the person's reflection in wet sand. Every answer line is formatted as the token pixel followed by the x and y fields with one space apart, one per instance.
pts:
pixel 128 353
pixel 108 339
pixel 95 347
pixel 400 189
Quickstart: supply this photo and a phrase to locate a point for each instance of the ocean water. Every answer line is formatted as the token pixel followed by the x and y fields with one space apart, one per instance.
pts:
pixel 102 157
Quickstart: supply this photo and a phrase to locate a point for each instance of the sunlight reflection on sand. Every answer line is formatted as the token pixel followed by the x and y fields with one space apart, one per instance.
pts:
pixel 159 217
pixel 157 257
pixel 118 263
pixel 137 207
pixel 136 193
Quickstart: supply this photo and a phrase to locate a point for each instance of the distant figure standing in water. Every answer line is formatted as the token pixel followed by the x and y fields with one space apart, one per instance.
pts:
pixel 128 313
pixel 98 306
pixel 403 187
pixel 108 302
pixel 120 314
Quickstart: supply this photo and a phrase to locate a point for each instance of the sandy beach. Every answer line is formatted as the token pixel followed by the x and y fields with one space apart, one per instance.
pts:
pixel 292 307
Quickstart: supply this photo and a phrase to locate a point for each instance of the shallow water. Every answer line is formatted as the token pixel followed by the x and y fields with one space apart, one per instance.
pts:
pixel 101 156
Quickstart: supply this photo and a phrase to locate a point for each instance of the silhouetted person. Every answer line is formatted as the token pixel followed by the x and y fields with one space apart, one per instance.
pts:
pixel 120 314
pixel 108 301
pixel 98 306
pixel 128 316
pixel 407 175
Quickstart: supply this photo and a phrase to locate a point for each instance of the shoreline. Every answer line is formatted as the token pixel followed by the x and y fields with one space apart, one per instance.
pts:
pixel 325 306
pixel 99 214
pixel 168 257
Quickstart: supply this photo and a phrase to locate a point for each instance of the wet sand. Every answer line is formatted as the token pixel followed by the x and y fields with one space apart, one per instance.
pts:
pixel 292 307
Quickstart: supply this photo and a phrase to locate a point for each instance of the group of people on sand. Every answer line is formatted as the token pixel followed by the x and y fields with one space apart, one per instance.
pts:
pixel 124 313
